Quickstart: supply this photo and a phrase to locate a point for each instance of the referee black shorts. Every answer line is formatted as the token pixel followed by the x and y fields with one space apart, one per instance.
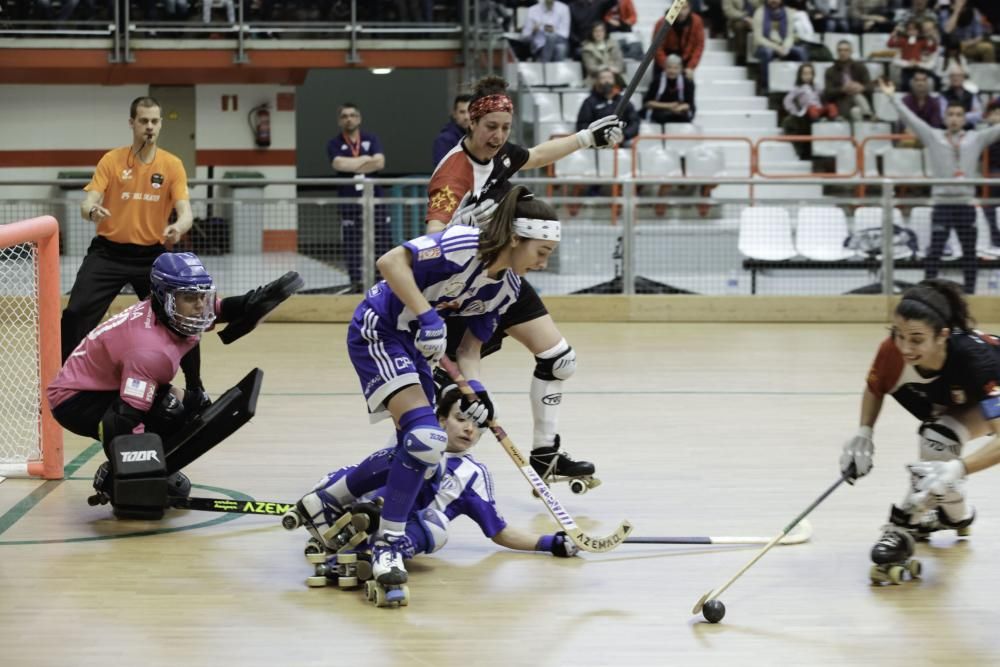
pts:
pixel 528 307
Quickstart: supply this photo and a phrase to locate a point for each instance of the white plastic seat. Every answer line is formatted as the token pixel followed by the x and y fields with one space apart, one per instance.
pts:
pixel 834 128
pixel 571 103
pixel 578 164
pixel 903 163
pixel 681 130
pixel 606 167
pixel 766 233
pixel 563 73
pixel 866 217
pixel 547 107
pixel 985 75
pixel 873 41
pixel 781 75
pixel 704 161
pixel 820 233
pixel 532 74
pixel 544 131
pixel 657 162
pixel 920 223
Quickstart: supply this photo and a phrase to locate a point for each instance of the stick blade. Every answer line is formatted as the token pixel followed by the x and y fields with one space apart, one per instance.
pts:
pixel 801 534
pixel 599 545
pixel 696 609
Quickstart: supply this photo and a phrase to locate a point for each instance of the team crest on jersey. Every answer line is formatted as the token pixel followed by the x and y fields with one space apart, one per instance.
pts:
pixel 506 161
pixel 957 395
pixel 126 174
pixel 444 200
pixel 476 307
pixel 430 253
pixel 453 289
pixel 156 180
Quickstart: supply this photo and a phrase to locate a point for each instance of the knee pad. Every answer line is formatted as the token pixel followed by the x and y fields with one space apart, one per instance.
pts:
pixel 423 438
pixel 559 363
pixel 139 486
pixel 434 524
pixel 942 439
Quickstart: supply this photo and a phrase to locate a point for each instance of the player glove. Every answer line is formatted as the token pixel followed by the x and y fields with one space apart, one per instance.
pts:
pixel 432 337
pixel 196 399
pixel 605 132
pixel 558 545
pixel 932 480
pixel 481 409
pixel 858 452
pixel 474 214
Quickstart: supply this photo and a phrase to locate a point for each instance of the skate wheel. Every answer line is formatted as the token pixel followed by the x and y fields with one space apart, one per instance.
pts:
pixel 396 596
pixel 291 520
pixel 593 483
pixel 370 590
pixel 355 540
pixel 347 582
pixel 914 568
pixel 896 574
pixel 964 532
pixel 405 602
pixel 313 547
pixel 380 598
pixel 316 558
pixel 877 575
pixel 363 570
pixel 316 582
pixel 347 558
pixel 578 486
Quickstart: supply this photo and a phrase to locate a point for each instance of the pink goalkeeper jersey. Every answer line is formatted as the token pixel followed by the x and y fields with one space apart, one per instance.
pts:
pixel 131 352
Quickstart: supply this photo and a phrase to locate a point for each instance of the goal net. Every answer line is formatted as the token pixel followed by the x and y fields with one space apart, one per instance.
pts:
pixel 30 439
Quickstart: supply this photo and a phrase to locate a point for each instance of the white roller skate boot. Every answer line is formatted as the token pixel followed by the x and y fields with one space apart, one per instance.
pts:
pixel 388 584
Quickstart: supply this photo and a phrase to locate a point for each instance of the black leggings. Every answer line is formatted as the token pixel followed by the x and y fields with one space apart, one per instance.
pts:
pixel 961 218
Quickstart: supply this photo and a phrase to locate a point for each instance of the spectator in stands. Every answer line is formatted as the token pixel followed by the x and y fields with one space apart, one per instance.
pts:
pixel 599 53
pixel 547 30
pixel 829 15
pixel 954 154
pixel 804 107
pixel 456 128
pixel 583 15
pixel 774 36
pixel 913 51
pixel 919 11
pixel 951 57
pixel 958 93
pixel 173 10
pixel 870 16
pixel 206 11
pixel 927 106
pixel 847 84
pixel 739 20
pixel 806 37
pixel 993 171
pixel 69 6
pixel 357 154
pixel 965 24
pixel 670 97
pixel 603 101
pixel 686 39
pixel 621 17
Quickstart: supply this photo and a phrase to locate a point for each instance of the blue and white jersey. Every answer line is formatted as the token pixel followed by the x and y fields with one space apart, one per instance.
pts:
pixel 453 281
pixel 465 488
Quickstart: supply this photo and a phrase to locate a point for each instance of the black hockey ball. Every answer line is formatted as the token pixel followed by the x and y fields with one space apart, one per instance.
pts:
pixel 714 611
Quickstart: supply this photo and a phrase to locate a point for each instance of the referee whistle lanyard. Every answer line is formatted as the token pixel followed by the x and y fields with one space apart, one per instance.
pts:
pixel 956 149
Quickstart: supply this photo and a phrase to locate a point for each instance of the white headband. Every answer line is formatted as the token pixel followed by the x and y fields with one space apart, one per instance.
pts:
pixel 533 228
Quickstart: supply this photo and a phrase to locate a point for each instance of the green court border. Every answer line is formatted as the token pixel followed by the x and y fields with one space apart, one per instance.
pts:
pixel 21 508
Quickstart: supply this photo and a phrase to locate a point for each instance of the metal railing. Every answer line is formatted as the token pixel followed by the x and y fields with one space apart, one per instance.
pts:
pixel 798 236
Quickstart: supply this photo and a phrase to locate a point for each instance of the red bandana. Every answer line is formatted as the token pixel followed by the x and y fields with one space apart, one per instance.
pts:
pixel 489 104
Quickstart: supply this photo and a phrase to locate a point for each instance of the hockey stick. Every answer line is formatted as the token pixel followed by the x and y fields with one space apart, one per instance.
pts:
pixel 798 536
pixel 716 592
pixel 668 21
pixel 230 506
pixel 581 539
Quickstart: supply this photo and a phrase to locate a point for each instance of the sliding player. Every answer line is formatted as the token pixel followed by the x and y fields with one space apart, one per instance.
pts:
pixel 464 189
pixel 947 375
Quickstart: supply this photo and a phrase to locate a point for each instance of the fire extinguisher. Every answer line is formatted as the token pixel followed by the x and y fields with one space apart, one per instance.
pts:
pixel 259 120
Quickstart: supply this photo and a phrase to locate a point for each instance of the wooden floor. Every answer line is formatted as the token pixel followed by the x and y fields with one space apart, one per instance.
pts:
pixel 696 430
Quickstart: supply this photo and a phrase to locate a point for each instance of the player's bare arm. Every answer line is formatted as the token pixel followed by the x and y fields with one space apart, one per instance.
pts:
pixel 468 355
pixel 91 209
pixel 185 219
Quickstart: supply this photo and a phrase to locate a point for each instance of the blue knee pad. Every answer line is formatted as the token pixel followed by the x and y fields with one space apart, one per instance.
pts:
pixel 423 439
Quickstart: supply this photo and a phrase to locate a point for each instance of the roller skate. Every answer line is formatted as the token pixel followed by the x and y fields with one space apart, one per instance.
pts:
pixel 892 554
pixel 331 527
pixel 347 569
pixel 554 466
pixel 388 586
pixel 963 527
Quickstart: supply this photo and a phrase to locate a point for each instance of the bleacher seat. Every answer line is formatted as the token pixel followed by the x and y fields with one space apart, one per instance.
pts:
pixel 834 128
pixel 985 75
pixel 544 131
pixel 704 161
pixel 532 74
pixel 578 164
pixel 872 42
pixel 903 163
pixel 681 130
pixel 563 73
pixel 866 217
pixel 920 223
pixel 766 233
pixel 631 67
pixel 546 106
pixel 647 128
pixel 820 233
pixel 606 167
pixel 571 103
pixel 781 75
pixel 654 161
pixel 875 69
pixel 821 74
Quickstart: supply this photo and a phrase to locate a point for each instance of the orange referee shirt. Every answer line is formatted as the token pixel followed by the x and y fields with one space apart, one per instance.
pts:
pixel 140 196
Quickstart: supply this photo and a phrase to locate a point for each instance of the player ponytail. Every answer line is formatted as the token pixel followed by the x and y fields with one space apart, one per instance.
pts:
pixel 939 303
pixel 496 236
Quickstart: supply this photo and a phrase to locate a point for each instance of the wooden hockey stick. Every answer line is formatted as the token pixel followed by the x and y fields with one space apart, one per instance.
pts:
pixel 668 21
pixel 231 506
pixel 581 539
pixel 798 536
pixel 716 592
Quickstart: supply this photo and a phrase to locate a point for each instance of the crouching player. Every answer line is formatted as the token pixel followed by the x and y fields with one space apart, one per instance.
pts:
pixel 115 386
pixel 945 373
pixel 461 486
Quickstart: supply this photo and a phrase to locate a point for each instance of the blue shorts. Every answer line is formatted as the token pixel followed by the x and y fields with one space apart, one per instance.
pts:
pixel 385 360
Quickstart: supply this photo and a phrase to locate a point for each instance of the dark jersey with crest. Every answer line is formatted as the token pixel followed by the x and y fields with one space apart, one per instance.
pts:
pixel 460 179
